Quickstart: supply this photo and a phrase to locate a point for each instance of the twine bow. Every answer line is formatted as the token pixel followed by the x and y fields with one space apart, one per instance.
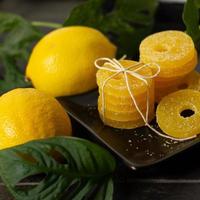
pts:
pixel 117 68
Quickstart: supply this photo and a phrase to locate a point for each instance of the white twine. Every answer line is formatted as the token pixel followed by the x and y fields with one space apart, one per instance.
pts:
pixel 117 68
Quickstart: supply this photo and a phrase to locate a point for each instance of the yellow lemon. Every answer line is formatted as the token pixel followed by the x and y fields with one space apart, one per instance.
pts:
pixel 28 114
pixel 62 63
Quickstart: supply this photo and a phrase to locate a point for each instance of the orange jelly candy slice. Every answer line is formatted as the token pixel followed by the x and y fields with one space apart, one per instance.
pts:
pixel 178 114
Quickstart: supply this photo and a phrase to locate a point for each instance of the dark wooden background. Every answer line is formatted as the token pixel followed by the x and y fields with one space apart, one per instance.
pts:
pixel 177 178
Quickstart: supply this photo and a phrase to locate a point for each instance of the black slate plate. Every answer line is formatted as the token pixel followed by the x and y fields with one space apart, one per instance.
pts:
pixel 137 148
pixel 140 147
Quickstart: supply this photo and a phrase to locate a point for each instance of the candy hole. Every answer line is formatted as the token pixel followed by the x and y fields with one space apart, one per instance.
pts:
pixel 160 48
pixel 187 113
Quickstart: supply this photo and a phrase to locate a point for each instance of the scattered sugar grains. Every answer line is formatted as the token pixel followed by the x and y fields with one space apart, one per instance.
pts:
pixel 149 153
pixel 170 115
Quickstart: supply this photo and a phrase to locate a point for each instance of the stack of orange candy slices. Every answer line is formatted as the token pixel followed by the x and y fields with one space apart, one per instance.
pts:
pixel 118 109
pixel 176 55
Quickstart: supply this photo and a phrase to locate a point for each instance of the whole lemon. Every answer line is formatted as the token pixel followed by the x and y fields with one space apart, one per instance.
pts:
pixel 62 63
pixel 28 114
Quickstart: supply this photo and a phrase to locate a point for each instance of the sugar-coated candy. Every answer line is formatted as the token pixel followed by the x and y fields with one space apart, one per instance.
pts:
pixel 115 105
pixel 178 114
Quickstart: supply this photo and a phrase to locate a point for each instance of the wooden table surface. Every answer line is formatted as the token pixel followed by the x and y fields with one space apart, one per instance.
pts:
pixel 177 178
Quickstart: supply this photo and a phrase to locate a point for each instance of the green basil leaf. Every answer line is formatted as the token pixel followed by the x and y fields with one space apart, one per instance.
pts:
pixel 125 22
pixel 191 20
pixel 85 171
pixel 17 36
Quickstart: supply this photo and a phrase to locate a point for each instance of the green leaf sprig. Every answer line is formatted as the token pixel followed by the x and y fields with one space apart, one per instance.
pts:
pixel 86 171
pixel 191 17
pixel 17 36
pixel 125 22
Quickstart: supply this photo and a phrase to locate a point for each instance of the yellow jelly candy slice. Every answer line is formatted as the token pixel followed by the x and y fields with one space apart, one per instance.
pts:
pixel 119 110
pixel 117 105
pixel 125 94
pixel 183 70
pixel 174 51
pixel 124 115
pixel 178 114
pixel 167 82
pixel 118 85
pixel 162 92
pixel 191 81
pixel 123 100
pixel 125 124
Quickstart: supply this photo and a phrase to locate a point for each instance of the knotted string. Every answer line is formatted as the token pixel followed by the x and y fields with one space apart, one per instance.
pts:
pixel 117 68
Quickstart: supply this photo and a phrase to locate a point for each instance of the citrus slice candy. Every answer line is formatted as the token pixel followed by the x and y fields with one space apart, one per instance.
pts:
pixel 192 81
pixel 124 115
pixel 162 92
pixel 174 51
pixel 122 100
pixel 178 114
pixel 125 124
pixel 119 109
pixel 117 84
pixel 167 82
pixel 124 95
pixel 117 105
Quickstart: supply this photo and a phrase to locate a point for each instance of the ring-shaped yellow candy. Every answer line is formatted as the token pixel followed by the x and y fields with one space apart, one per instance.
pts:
pixel 164 83
pixel 125 124
pixel 170 113
pixel 124 115
pixel 191 81
pixel 174 51
pixel 119 99
pixel 117 84
pixel 160 93
pixel 119 110
pixel 117 106
pixel 124 94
